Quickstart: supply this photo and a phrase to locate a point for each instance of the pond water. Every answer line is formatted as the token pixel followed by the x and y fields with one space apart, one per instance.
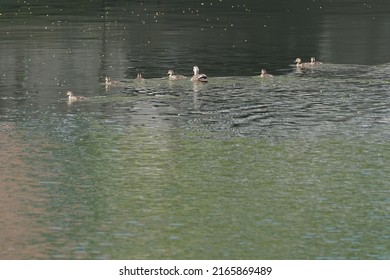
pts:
pixel 292 167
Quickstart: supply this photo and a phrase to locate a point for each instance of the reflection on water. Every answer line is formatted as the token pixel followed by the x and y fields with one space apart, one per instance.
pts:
pixel 22 195
pixel 294 167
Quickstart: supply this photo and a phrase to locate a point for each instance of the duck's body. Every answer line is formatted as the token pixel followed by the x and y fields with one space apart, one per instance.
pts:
pixel 173 77
pixel 72 97
pixel 264 74
pixel 301 64
pixel 198 77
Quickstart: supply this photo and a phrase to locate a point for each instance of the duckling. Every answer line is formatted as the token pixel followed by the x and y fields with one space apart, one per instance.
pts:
pixel 314 62
pixel 264 74
pixel 139 77
pixel 72 97
pixel 109 82
pixel 301 64
pixel 173 77
pixel 198 77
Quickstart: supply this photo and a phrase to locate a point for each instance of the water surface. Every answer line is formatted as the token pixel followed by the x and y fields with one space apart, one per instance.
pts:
pixel 294 167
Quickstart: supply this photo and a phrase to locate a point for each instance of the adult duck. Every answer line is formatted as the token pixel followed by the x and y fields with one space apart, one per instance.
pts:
pixel 198 77
pixel 173 77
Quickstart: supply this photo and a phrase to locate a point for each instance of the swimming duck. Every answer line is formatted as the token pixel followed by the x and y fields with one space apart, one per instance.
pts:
pixel 139 77
pixel 173 77
pixel 72 97
pixel 301 64
pixel 314 62
pixel 264 74
pixel 198 77
pixel 109 82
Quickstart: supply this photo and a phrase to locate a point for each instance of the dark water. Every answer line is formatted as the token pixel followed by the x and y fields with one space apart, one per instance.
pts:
pixel 294 167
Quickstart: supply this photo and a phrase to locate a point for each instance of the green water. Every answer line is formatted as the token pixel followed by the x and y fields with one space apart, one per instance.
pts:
pixel 157 177
pixel 294 167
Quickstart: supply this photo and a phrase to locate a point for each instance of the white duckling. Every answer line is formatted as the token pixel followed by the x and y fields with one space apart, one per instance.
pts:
pixel 198 77
pixel 301 64
pixel 72 97
pixel 264 74
pixel 173 77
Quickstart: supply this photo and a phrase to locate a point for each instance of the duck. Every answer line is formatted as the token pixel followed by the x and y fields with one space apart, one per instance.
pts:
pixel 173 77
pixel 301 64
pixel 264 74
pixel 109 82
pixel 314 62
pixel 198 77
pixel 139 77
pixel 72 97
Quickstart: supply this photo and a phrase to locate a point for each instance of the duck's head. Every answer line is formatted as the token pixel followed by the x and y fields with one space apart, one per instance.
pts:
pixel 107 79
pixel 313 59
pixel 196 70
pixel 263 71
pixel 298 60
pixel 69 93
pixel 170 72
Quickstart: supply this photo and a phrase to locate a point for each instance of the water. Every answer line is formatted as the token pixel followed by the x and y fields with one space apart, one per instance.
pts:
pixel 294 167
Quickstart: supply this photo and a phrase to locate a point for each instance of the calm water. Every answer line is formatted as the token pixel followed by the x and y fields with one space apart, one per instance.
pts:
pixel 294 167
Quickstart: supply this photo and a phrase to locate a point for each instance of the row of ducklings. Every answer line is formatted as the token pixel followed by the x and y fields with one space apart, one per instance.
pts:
pixel 298 63
pixel 203 78
pixel 198 77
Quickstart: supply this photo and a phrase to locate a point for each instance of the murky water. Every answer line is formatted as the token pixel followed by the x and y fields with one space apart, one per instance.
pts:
pixel 293 167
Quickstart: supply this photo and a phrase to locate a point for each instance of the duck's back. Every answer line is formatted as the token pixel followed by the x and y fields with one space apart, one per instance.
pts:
pixel 200 78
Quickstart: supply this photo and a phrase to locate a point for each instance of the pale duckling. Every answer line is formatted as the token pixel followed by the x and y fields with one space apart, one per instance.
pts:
pixel 198 77
pixel 110 82
pixel 173 77
pixel 139 77
pixel 314 62
pixel 72 97
pixel 301 64
pixel 264 74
